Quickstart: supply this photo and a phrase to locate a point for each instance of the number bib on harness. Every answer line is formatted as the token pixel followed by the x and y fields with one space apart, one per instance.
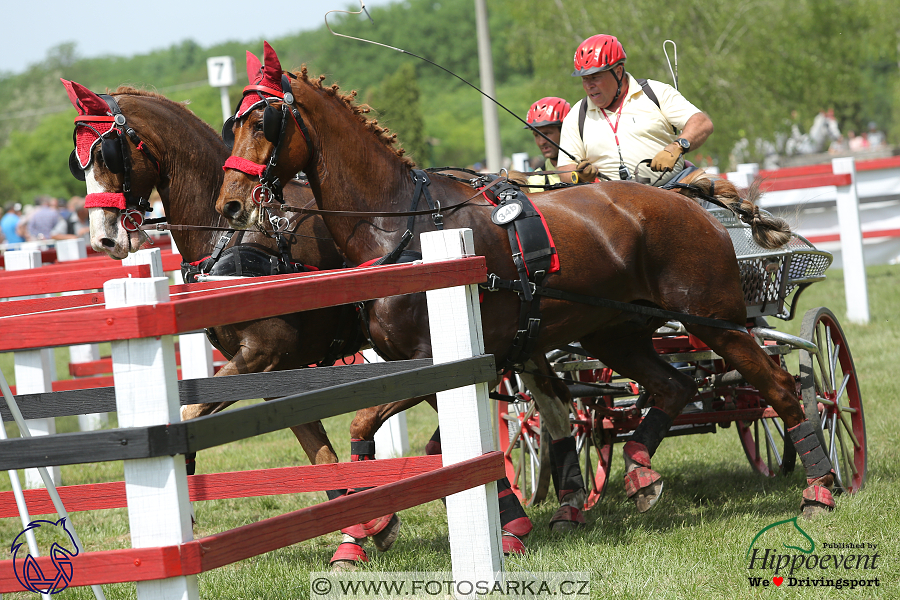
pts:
pixel 533 240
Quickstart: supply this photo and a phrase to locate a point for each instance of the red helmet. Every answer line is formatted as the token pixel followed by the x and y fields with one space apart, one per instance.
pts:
pixel 598 53
pixel 547 111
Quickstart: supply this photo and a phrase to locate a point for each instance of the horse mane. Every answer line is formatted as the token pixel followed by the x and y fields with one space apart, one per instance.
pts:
pixel 132 91
pixel 382 134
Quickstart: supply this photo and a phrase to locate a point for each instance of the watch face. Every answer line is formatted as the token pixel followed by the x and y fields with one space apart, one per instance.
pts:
pixel 686 145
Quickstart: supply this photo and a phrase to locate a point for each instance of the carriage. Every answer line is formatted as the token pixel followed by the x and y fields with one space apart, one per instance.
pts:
pixel 606 408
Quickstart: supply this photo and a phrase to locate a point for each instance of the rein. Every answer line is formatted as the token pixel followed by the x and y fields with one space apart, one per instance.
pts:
pixel 410 213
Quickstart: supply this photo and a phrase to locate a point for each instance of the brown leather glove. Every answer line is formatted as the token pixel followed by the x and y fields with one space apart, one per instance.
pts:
pixel 666 158
pixel 585 172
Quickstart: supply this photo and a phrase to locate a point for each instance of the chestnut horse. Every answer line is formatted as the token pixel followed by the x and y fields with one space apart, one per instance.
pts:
pixel 621 241
pixel 188 176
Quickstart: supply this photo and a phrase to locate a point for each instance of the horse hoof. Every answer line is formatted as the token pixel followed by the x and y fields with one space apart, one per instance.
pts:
pixel 348 556
pixel 646 498
pixel 644 486
pixel 817 500
pixel 344 566
pixel 512 545
pixel 566 518
pixel 385 538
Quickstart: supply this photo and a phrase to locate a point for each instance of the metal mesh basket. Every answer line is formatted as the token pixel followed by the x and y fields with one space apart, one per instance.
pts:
pixel 768 277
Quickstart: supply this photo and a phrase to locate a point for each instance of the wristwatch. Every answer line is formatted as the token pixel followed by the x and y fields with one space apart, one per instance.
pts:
pixel 685 145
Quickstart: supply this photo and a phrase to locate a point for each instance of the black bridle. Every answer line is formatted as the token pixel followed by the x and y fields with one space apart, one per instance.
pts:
pixel 274 128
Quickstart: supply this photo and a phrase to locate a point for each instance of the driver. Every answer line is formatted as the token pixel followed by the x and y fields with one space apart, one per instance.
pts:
pixel 624 120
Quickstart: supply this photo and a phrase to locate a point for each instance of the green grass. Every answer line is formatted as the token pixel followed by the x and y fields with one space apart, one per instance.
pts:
pixel 692 545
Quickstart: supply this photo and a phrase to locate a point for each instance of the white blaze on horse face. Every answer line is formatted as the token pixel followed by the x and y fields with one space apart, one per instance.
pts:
pixel 106 235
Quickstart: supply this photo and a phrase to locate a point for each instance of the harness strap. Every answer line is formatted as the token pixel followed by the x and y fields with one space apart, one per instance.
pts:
pixel 494 283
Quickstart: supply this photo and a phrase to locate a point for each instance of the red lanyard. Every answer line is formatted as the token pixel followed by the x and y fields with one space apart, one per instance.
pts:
pixel 615 130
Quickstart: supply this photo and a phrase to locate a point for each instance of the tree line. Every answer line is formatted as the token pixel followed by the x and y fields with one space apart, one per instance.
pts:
pixel 749 64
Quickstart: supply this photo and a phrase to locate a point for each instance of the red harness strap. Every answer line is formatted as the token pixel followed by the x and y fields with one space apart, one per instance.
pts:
pixel 244 166
pixel 105 200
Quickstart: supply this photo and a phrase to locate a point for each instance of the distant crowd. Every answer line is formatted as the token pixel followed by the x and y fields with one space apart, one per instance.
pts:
pixel 46 219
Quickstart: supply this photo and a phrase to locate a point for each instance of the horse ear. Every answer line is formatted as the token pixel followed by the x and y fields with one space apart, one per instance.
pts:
pixel 254 68
pixel 84 100
pixel 272 65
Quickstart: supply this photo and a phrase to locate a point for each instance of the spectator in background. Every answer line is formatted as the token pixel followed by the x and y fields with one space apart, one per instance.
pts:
pixel 875 135
pixel 10 221
pixel 839 146
pixel 46 223
pixel 78 222
pixel 857 142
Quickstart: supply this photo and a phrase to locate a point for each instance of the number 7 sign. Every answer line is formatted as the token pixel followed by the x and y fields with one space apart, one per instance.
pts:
pixel 220 70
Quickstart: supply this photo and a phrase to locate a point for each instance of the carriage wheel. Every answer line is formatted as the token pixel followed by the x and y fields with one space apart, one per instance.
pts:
pixel 525 447
pixel 766 445
pixel 831 398
pixel 761 440
pixel 587 437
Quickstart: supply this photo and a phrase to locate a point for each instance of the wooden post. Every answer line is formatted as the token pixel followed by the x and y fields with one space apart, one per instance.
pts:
pixel 854 263
pixel 392 438
pixel 196 351
pixel 146 382
pixel 76 249
pixel 34 370
pixel 464 414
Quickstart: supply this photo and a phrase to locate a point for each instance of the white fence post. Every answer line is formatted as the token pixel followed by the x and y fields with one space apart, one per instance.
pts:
pixel 464 415
pixel 34 370
pixel 76 249
pixel 392 438
pixel 196 351
pixel 146 384
pixel 851 243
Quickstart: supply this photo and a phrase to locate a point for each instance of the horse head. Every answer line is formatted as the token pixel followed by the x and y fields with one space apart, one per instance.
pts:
pixel 119 169
pixel 270 141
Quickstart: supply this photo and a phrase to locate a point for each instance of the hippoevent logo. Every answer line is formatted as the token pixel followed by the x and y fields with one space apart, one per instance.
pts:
pixel 841 565
pixel 26 567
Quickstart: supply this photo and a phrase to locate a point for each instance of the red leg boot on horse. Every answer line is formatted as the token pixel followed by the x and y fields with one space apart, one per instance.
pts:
pixel 817 498
pixel 383 530
pixel 513 521
pixel 569 484
pixel 643 484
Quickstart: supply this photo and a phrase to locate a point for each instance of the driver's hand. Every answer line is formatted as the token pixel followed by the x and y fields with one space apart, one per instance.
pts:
pixel 666 158
pixel 585 172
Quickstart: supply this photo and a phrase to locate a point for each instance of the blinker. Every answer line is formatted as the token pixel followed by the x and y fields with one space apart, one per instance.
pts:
pixel 111 150
pixel 75 166
pixel 272 118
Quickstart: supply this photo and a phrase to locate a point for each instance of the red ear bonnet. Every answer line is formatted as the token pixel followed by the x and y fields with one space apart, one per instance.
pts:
pixel 93 121
pixel 264 79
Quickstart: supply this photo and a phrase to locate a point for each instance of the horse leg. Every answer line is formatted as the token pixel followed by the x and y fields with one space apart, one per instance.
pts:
pixel 667 390
pixel 553 401
pixel 385 529
pixel 778 387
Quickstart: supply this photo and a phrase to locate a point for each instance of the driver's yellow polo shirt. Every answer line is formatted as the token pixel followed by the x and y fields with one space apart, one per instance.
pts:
pixel 644 129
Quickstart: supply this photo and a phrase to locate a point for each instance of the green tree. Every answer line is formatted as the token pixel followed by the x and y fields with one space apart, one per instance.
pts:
pixel 397 103
pixel 36 161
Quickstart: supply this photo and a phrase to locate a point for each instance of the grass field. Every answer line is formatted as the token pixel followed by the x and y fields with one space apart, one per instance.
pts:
pixel 691 546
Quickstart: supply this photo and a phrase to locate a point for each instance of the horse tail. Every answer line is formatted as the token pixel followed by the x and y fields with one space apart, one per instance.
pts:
pixel 768 231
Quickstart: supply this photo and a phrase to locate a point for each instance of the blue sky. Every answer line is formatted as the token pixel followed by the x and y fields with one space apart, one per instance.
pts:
pixel 128 28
